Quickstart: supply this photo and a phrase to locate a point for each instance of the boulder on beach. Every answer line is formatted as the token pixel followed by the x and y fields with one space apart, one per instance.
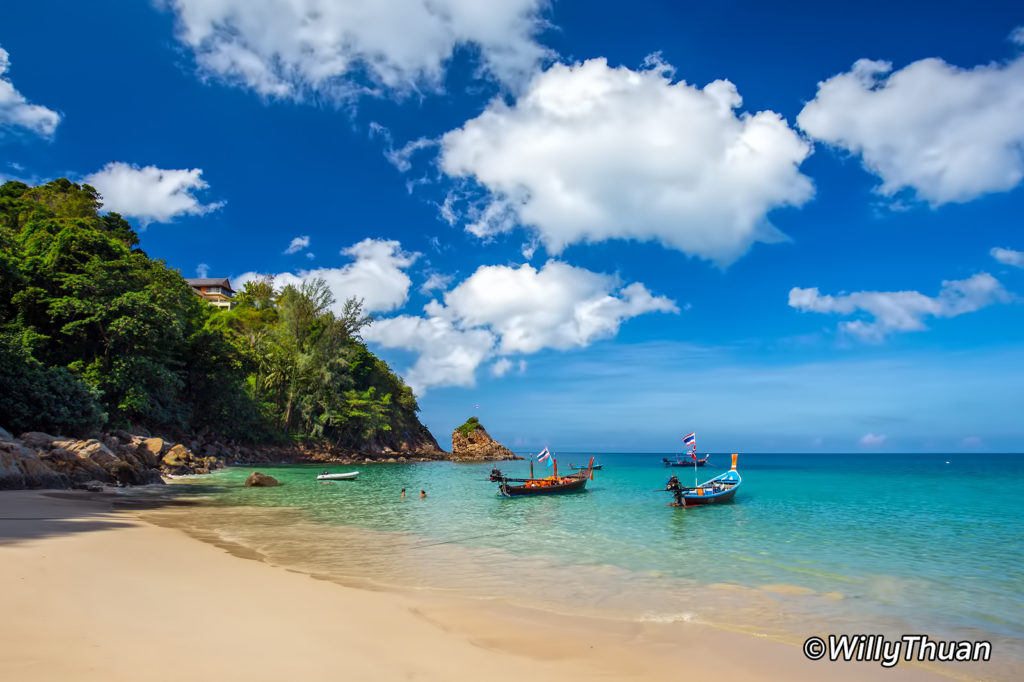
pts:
pixel 178 456
pixel 21 467
pixel 154 446
pixel 258 480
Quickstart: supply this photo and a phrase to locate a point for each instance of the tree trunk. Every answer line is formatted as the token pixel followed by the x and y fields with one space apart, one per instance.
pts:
pixel 288 409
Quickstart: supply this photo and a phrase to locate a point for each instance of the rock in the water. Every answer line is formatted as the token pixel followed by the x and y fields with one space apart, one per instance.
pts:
pixel 471 442
pixel 258 480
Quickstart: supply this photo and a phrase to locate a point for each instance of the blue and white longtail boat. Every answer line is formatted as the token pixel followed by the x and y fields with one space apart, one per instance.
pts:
pixel 721 488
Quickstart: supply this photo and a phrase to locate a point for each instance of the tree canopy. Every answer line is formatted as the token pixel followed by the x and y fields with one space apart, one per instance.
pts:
pixel 94 333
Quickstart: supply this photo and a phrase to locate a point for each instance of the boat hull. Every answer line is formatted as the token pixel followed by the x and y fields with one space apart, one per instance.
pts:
pixel 695 500
pixel 337 477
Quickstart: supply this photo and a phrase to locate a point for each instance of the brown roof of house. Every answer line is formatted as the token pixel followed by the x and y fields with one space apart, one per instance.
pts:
pixel 210 282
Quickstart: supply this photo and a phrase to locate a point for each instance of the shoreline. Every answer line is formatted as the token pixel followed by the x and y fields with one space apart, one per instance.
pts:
pixel 103 594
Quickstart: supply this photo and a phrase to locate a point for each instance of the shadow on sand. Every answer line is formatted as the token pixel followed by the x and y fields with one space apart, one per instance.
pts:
pixel 27 515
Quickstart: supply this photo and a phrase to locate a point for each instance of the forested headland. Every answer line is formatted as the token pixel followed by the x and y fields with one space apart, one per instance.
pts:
pixel 95 335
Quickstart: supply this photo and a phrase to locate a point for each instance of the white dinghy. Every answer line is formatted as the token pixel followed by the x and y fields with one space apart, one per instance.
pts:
pixel 338 477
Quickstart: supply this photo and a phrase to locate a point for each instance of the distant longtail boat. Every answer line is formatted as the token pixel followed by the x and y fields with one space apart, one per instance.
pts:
pixel 680 462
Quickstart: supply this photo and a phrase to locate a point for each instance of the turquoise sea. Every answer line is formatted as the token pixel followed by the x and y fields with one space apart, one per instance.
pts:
pixel 812 543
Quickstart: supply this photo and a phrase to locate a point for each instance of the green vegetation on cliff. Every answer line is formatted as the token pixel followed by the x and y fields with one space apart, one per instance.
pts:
pixel 94 333
pixel 471 425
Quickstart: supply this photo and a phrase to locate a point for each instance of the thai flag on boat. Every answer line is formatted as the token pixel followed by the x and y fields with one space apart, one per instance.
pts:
pixel 690 439
pixel 545 456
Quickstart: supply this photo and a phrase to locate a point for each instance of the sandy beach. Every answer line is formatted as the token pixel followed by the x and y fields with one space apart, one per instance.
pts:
pixel 94 593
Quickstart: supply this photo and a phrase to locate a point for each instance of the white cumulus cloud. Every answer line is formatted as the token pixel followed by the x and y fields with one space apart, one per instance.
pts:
pixel 339 48
pixel 589 153
pixel 902 311
pixel 501 310
pixel 16 111
pixel 298 244
pixel 949 134
pixel 446 355
pixel 151 194
pixel 436 282
pixel 873 440
pixel 558 306
pixel 501 367
pixel 1008 257
pixel 376 275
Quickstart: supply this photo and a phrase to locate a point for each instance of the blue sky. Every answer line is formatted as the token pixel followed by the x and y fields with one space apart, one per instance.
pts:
pixel 786 228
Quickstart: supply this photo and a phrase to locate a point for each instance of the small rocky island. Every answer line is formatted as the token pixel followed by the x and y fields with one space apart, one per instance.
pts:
pixel 472 443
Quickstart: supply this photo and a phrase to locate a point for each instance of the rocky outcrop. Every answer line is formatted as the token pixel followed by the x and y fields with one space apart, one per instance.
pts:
pixel 39 460
pixel 472 443
pixel 258 480
pixel 136 456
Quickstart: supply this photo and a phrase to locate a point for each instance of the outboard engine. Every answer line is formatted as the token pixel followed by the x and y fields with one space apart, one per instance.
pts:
pixel 496 474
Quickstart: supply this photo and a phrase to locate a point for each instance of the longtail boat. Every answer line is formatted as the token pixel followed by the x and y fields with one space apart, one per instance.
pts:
pixel 721 488
pixel 596 467
pixel 550 485
pixel 680 462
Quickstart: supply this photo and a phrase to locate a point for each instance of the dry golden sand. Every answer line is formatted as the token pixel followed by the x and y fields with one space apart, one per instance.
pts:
pixel 93 593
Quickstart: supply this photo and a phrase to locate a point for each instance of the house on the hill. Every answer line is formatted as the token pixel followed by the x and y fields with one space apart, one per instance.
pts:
pixel 217 291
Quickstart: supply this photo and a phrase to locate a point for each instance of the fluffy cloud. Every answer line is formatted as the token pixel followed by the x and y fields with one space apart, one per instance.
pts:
pixel 502 310
pixel 376 275
pixel 558 306
pixel 502 366
pixel 436 282
pixel 1017 36
pixel 590 153
pixel 902 311
pixel 446 355
pixel 297 244
pixel 1008 257
pixel 339 48
pixel 950 134
pixel 151 194
pixel 873 440
pixel 16 111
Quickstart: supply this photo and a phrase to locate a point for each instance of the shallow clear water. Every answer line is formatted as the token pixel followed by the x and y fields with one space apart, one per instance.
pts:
pixel 812 543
